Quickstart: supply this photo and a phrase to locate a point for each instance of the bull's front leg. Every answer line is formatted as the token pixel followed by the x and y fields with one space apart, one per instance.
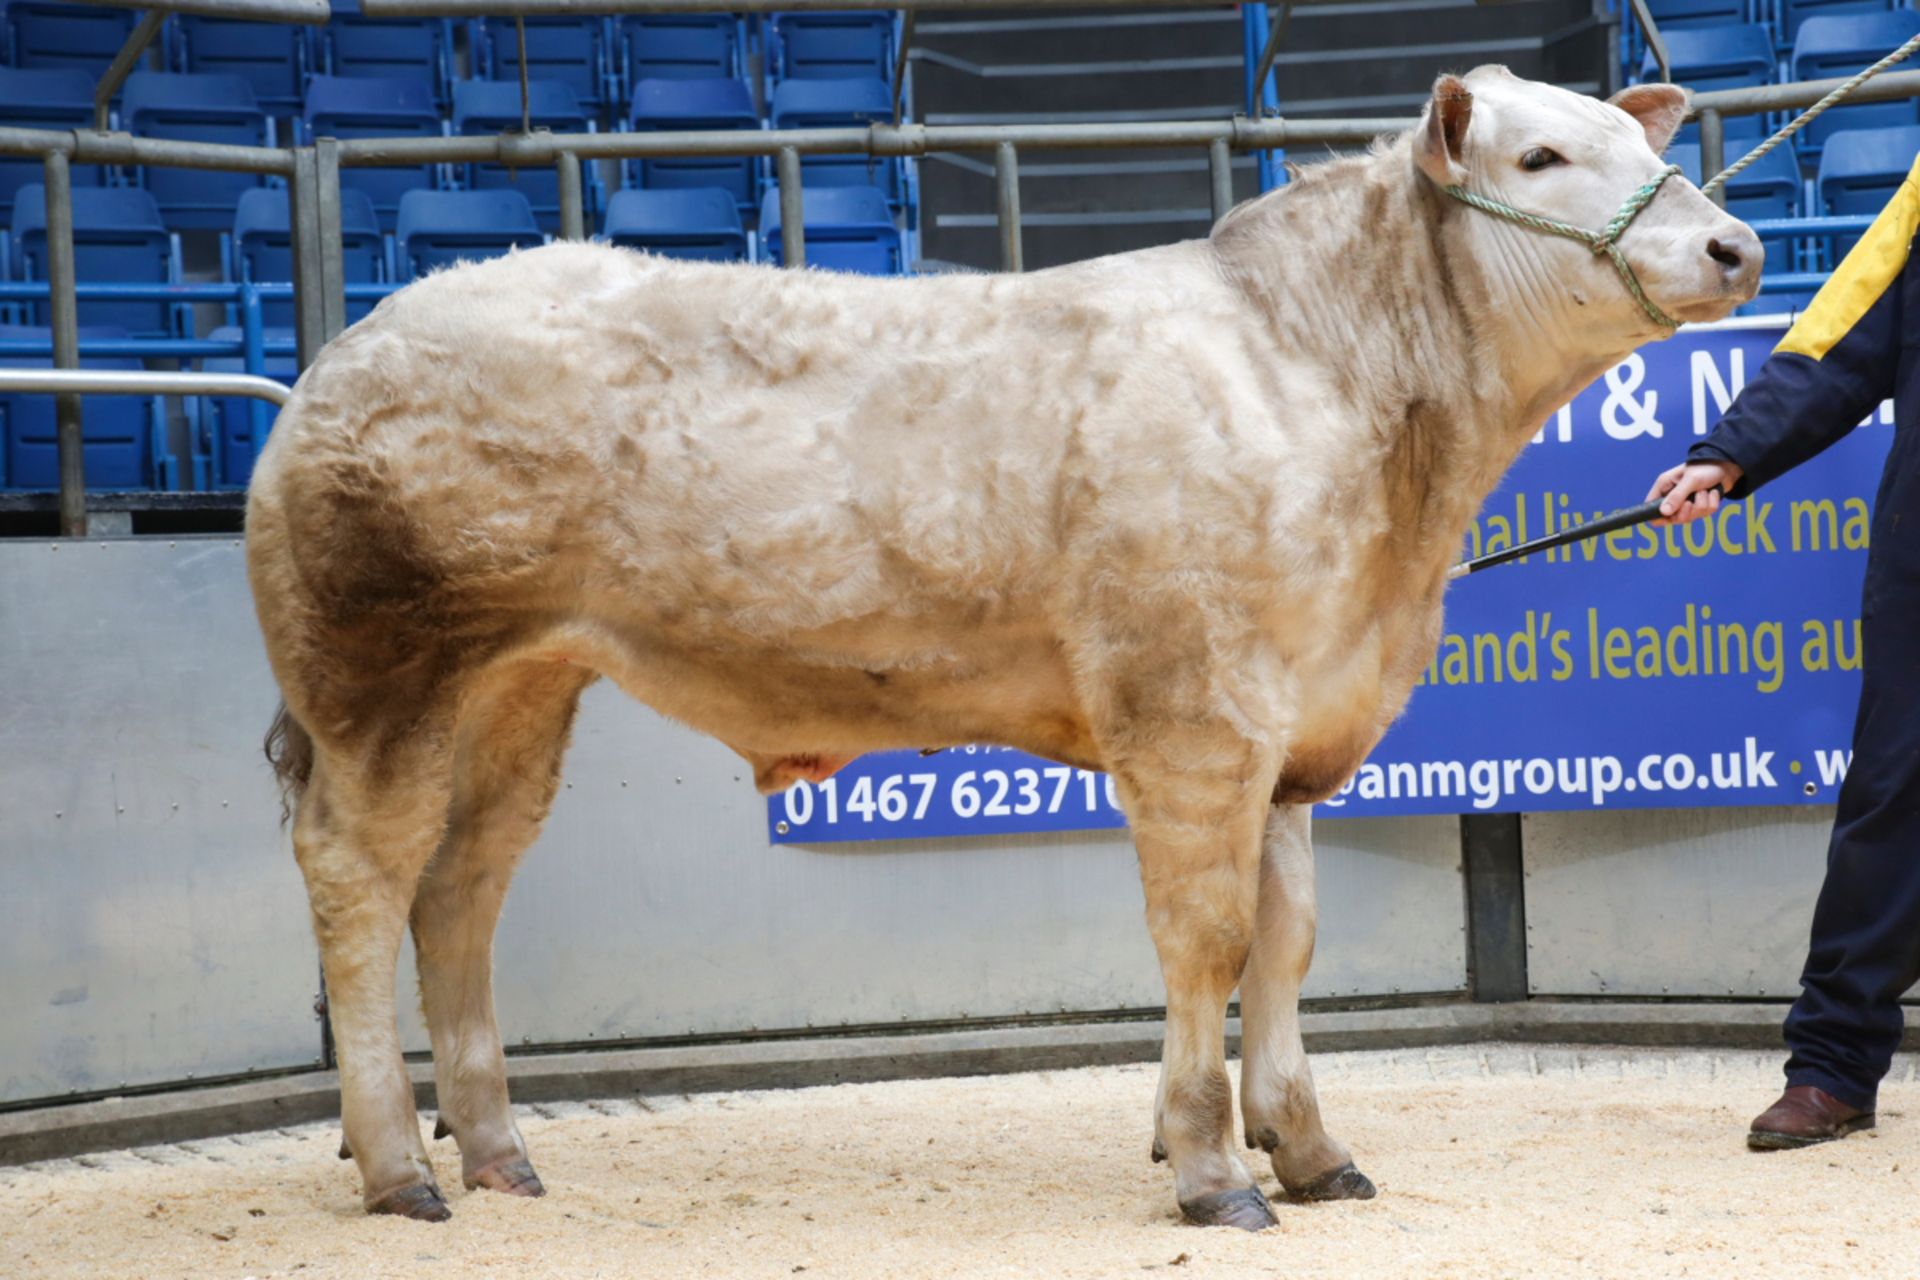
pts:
pixel 1197 829
pixel 1277 1097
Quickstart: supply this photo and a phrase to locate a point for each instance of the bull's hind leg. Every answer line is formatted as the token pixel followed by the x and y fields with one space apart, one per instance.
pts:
pixel 506 767
pixel 1196 804
pixel 362 834
pixel 1276 1085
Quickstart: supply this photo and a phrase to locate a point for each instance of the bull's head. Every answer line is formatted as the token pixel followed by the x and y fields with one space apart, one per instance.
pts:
pixel 1507 146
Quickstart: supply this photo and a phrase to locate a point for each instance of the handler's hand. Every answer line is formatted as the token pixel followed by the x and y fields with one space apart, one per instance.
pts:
pixel 1692 490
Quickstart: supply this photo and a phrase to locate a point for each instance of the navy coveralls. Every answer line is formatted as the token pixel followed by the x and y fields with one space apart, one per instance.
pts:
pixel 1857 344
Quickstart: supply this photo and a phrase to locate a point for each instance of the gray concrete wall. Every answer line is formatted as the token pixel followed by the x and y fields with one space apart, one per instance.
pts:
pixel 153 925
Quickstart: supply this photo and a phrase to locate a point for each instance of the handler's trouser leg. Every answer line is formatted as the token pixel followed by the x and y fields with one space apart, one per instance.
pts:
pixel 1865 949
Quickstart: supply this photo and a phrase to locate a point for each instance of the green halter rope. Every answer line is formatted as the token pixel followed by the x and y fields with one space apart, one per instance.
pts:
pixel 1606 240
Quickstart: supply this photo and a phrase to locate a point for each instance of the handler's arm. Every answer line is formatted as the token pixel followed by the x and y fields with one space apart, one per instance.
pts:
pixel 1835 364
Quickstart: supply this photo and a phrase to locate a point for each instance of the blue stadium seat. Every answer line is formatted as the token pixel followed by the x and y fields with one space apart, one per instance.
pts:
pixel 440 228
pixel 1839 45
pixel 830 45
pixel 1717 57
pixel 1860 169
pixel 1791 13
pixel 57 99
pixel 493 106
pixel 702 224
pixel 839 104
pixel 680 46
pixel 668 105
pixel 225 423
pixel 388 48
pixel 1768 188
pixel 572 50
pixel 274 58
pixel 124 438
pixel 848 229
pixel 118 238
pixel 203 108
pixel 343 107
pixel 82 36
pixel 262 251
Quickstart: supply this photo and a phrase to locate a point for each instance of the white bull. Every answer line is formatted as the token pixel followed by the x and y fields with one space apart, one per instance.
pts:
pixel 1184 515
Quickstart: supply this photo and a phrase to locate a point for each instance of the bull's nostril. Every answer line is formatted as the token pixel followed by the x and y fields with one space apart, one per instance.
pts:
pixel 1722 254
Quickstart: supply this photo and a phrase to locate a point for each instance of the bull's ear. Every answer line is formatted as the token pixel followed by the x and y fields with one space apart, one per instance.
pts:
pixel 1660 108
pixel 1441 147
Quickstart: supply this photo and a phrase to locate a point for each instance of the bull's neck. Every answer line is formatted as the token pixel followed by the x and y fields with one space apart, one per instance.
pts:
pixel 1356 267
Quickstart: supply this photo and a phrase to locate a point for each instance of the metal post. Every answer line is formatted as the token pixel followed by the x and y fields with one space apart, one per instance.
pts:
pixel 573 218
pixel 64 311
pixel 793 210
pixel 123 64
pixel 333 261
pixel 1496 906
pixel 310 320
pixel 1220 169
pixel 900 62
pixel 1713 151
pixel 1655 41
pixel 1006 183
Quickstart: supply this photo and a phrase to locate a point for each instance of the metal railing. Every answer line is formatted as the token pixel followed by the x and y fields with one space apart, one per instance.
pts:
pixel 313 173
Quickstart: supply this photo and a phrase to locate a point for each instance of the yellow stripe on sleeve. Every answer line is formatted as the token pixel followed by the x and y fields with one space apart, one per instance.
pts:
pixel 1869 268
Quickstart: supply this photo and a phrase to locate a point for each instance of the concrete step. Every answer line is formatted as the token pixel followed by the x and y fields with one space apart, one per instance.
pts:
pixel 1147 87
pixel 1090 35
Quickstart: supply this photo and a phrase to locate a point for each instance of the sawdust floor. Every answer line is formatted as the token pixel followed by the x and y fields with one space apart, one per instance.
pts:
pixel 1497 1161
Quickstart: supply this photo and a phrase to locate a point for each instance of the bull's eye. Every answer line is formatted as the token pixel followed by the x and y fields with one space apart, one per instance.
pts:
pixel 1540 158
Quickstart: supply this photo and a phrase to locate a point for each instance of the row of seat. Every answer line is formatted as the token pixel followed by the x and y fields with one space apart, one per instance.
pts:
pixel 1825 45
pixel 847 229
pixel 599 58
pixel 1781 18
pixel 223 109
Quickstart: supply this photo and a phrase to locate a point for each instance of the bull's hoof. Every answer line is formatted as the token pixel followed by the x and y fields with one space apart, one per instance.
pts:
pixel 1344 1183
pixel 515 1177
pixel 1246 1209
pixel 346 1152
pixel 441 1129
pixel 420 1201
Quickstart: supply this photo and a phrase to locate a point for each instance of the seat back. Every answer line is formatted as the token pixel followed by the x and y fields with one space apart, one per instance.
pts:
pixel 1830 45
pixel 693 223
pixel 1717 57
pixel 61 98
pixel 440 228
pixel 681 46
pixel 226 422
pixel 263 248
pixel 81 36
pixel 120 435
pixel 570 50
pixel 198 108
pixel 493 106
pixel 1795 12
pixel 828 45
pixel 388 48
pixel 669 105
pixel 839 104
pixel 344 107
pixel 118 238
pixel 847 229
pixel 274 58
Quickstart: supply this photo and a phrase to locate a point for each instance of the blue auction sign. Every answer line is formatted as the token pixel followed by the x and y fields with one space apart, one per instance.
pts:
pixel 1716 664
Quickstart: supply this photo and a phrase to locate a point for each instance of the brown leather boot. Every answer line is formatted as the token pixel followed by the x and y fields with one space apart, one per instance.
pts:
pixel 1803 1117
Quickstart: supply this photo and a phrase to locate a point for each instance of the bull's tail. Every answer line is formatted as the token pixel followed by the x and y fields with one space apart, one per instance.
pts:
pixel 289 750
